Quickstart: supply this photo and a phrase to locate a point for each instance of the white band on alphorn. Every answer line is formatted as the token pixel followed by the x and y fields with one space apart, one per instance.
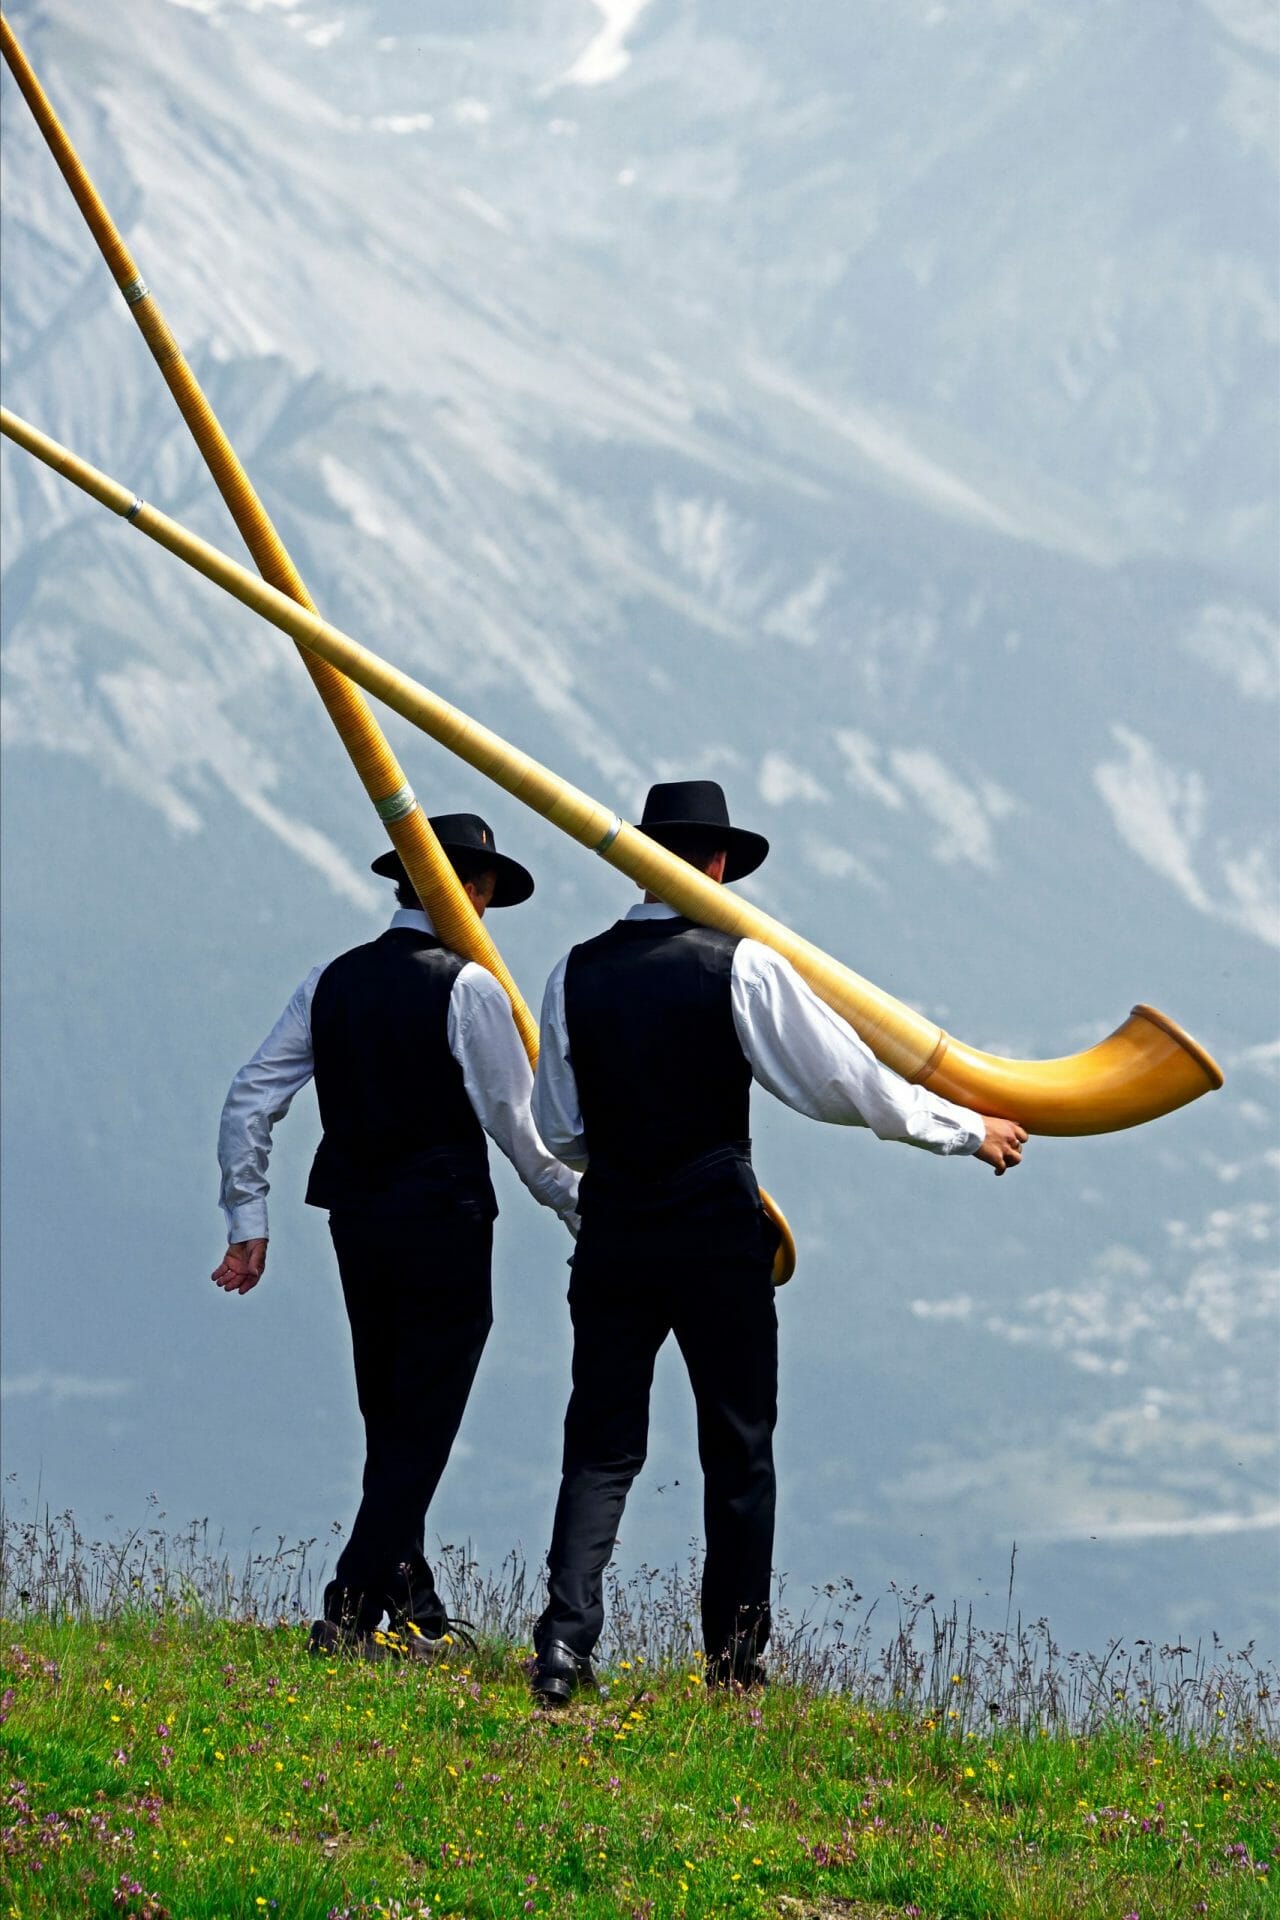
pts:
pixel 397 804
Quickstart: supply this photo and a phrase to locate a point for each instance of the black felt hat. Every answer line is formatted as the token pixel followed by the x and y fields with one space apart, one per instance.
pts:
pixel 676 808
pixel 467 834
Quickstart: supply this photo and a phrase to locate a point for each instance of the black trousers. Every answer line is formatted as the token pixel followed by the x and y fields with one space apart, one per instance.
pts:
pixel 701 1269
pixel 419 1299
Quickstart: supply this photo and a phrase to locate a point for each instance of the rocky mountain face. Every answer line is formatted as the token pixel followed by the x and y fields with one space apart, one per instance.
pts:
pixel 872 408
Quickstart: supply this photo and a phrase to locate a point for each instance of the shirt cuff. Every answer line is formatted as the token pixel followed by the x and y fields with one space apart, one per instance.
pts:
pixel 248 1221
pixel 973 1134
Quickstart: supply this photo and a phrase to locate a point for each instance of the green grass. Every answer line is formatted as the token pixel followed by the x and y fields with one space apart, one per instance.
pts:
pixel 169 1764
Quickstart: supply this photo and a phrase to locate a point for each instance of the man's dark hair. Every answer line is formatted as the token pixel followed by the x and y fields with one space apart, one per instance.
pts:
pixel 465 865
pixel 697 845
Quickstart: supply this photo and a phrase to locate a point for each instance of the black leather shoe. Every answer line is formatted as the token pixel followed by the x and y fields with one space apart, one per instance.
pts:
pixel 559 1673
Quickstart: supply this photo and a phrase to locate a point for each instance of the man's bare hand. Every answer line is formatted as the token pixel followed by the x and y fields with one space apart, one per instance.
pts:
pixel 241 1271
pixel 1002 1147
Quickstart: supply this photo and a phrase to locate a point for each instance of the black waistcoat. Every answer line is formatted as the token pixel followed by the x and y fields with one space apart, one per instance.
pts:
pixel 663 1084
pixel 398 1126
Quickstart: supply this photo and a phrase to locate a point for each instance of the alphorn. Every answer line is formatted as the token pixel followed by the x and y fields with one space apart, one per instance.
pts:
pixel 1146 1068
pixel 394 800
pixel 429 869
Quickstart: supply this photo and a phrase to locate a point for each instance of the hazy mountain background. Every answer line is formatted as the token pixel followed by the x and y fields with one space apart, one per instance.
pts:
pixel 873 407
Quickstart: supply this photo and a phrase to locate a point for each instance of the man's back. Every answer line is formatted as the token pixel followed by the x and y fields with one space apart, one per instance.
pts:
pixel 661 1076
pixel 390 1091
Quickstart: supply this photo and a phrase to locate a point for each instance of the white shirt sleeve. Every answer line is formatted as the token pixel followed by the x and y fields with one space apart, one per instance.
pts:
pixel 261 1094
pixel 485 1042
pixel 814 1061
pixel 556 1112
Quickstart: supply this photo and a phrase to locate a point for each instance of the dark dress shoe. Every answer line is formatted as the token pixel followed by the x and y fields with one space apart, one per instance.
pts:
pixel 559 1673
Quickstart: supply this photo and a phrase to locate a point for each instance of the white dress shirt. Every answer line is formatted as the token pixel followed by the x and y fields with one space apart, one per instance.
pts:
pixel 483 1039
pixel 796 1047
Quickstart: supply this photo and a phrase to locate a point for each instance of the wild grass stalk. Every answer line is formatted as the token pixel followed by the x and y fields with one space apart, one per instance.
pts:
pixel 902 1653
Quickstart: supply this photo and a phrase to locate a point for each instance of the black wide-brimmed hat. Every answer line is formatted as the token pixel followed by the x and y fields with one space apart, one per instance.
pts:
pixel 468 834
pixel 675 808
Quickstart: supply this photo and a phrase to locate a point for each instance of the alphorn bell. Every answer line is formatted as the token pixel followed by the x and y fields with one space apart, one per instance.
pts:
pixel 1146 1068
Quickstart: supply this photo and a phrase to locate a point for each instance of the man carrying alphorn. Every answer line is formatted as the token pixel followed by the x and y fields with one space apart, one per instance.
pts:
pixel 416 1057
pixel 651 1036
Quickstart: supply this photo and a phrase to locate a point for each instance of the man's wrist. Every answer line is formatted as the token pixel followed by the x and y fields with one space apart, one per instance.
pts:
pixel 247 1222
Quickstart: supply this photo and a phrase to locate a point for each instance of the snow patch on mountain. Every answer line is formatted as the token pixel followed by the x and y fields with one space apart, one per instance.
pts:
pixel 1255 22
pixel 1190 1526
pixel 316 848
pixel 965 812
pixel 401 123
pixel 890 450
pixel 1160 814
pixel 324 33
pixel 607 55
pixel 353 495
pixel 1264 1059
pixel 796 617
pixel 710 544
pixel 780 780
pixel 862 754
pixel 482 208
pixel 59 1388
pixel 1240 643
pixel 838 863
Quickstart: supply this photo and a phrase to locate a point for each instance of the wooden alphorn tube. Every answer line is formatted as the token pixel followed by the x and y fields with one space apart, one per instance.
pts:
pixel 1146 1068
pixel 407 826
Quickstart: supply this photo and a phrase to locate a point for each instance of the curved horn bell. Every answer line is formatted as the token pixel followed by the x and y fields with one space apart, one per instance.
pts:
pixel 1147 1067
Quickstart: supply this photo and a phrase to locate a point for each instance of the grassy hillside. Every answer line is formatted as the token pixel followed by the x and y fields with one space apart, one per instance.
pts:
pixel 164 1762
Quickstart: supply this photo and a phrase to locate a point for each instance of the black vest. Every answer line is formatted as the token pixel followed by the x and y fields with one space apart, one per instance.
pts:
pixel 663 1084
pixel 399 1129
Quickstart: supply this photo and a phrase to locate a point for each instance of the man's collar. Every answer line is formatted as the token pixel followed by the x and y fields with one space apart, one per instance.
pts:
pixel 651 910
pixel 413 917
